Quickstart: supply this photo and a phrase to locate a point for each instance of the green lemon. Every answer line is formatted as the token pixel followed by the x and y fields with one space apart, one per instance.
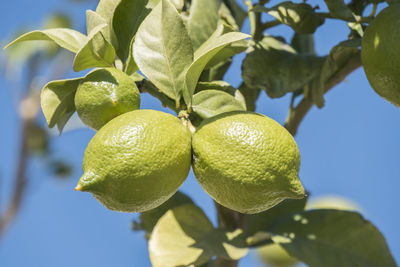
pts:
pixel 105 94
pixel 137 161
pixel 246 161
pixel 275 256
pixel 380 54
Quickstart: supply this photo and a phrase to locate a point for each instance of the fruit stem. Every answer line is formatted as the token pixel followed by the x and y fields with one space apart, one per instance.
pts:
pixel 183 115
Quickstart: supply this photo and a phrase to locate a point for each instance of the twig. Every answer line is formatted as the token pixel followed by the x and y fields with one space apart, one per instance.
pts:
pixel 20 182
pixel 145 86
pixel 297 114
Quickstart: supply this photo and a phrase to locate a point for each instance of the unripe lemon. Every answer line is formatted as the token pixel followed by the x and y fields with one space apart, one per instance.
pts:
pixel 246 161
pixel 137 161
pixel 105 94
pixel 380 54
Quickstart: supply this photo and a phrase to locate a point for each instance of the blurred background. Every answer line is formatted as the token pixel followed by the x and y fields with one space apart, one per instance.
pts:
pixel 349 148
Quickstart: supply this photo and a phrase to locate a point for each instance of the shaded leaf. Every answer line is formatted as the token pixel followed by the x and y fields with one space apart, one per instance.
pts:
pixel 338 57
pixel 209 103
pixel 66 38
pixel 127 18
pixel 163 51
pixel 275 67
pixel 332 238
pixel 225 244
pixel 303 43
pixel 300 17
pixel 202 21
pixel 130 66
pixel 202 56
pixel 250 96
pixel 176 236
pixel 57 101
pixel 96 52
pixel 260 222
pixel 339 9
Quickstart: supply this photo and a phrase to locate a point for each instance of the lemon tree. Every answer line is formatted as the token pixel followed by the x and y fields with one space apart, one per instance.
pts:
pixel 179 52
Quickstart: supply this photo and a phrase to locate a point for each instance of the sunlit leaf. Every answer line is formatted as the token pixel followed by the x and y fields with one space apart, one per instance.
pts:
pixel 209 103
pixel 96 52
pixel 202 56
pixel 203 20
pixel 176 236
pixel 163 51
pixel 66 38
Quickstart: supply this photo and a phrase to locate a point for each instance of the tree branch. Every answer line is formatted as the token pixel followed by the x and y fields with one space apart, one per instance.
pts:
pixel 297 114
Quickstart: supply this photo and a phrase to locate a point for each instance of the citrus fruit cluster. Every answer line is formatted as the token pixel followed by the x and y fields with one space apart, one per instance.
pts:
pixel 380 54
pixel 139 158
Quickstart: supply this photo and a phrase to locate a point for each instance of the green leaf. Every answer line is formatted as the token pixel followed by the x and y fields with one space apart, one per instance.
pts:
pixel 209 103
pixel 202 56
pixel 225 244
pixel 339 9
pixel 332 238
pixel 228 52
pixel 275 67
pixel 96 52
pixel 177 237
pixel 250 95
pixel 261 221
pixel 236 12
pixel 148 219
pixel 130 66
pixel 163 51
pixel 203 21
pixel 338 57
pixel 106 9
pixel 300 17
pixel 57 101
pixel 66 38
pixel 303 43
pixel 126 21
pixel 93 20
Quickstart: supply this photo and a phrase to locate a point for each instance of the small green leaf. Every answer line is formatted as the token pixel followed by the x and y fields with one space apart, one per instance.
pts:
pixel 236 11
pixel 275 67
pixel 338 57
pixel 126 21
pixel 300 17
pixel 177 238
pixel 339 9
pixel 148 219
pixel 228 52
pixel 66 38
pixel 163 51
pixel 96 52
pixel 202 56
pixel 130 66
pixel 332 238
pixel 93 20
pixel 57 101
pixel 202 21
pixel 209 103
pixel 106 9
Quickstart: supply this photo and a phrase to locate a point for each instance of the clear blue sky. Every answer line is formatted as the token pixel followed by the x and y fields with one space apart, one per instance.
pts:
pixel 349 148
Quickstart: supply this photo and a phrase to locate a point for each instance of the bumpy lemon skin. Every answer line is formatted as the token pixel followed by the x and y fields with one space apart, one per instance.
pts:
pixel 380 54
pixel 246 161
pixel 137 161
pixel 105 94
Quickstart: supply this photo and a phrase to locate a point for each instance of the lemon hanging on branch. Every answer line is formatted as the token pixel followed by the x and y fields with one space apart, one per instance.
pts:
pixel 137 161
pixel 103 95
pixel 380 54
pixel 246 161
